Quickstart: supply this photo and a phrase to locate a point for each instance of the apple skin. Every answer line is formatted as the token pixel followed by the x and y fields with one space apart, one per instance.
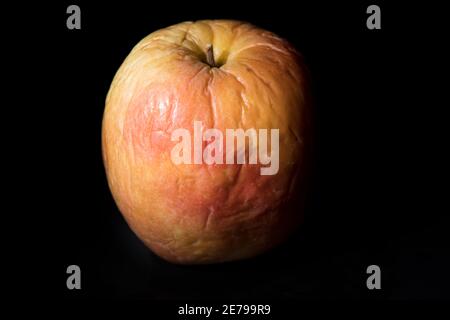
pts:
pixel 199 213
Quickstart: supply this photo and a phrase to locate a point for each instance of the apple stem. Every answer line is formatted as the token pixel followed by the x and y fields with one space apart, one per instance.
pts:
pixel 210 56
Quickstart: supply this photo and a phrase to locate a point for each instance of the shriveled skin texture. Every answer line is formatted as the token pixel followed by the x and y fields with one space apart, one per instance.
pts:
pixel 199 213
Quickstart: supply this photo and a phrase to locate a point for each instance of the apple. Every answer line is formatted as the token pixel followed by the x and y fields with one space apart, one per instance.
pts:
pixel 201 79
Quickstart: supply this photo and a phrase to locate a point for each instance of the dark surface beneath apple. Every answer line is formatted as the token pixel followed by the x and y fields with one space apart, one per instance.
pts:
pixel 371 202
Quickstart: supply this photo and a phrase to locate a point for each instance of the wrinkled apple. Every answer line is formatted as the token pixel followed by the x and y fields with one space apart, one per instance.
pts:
pixel 213 202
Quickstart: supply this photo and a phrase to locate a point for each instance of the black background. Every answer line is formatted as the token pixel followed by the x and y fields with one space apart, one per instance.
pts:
pixel 376 184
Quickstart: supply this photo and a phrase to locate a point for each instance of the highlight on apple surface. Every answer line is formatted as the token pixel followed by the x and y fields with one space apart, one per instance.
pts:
pixel 208 147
